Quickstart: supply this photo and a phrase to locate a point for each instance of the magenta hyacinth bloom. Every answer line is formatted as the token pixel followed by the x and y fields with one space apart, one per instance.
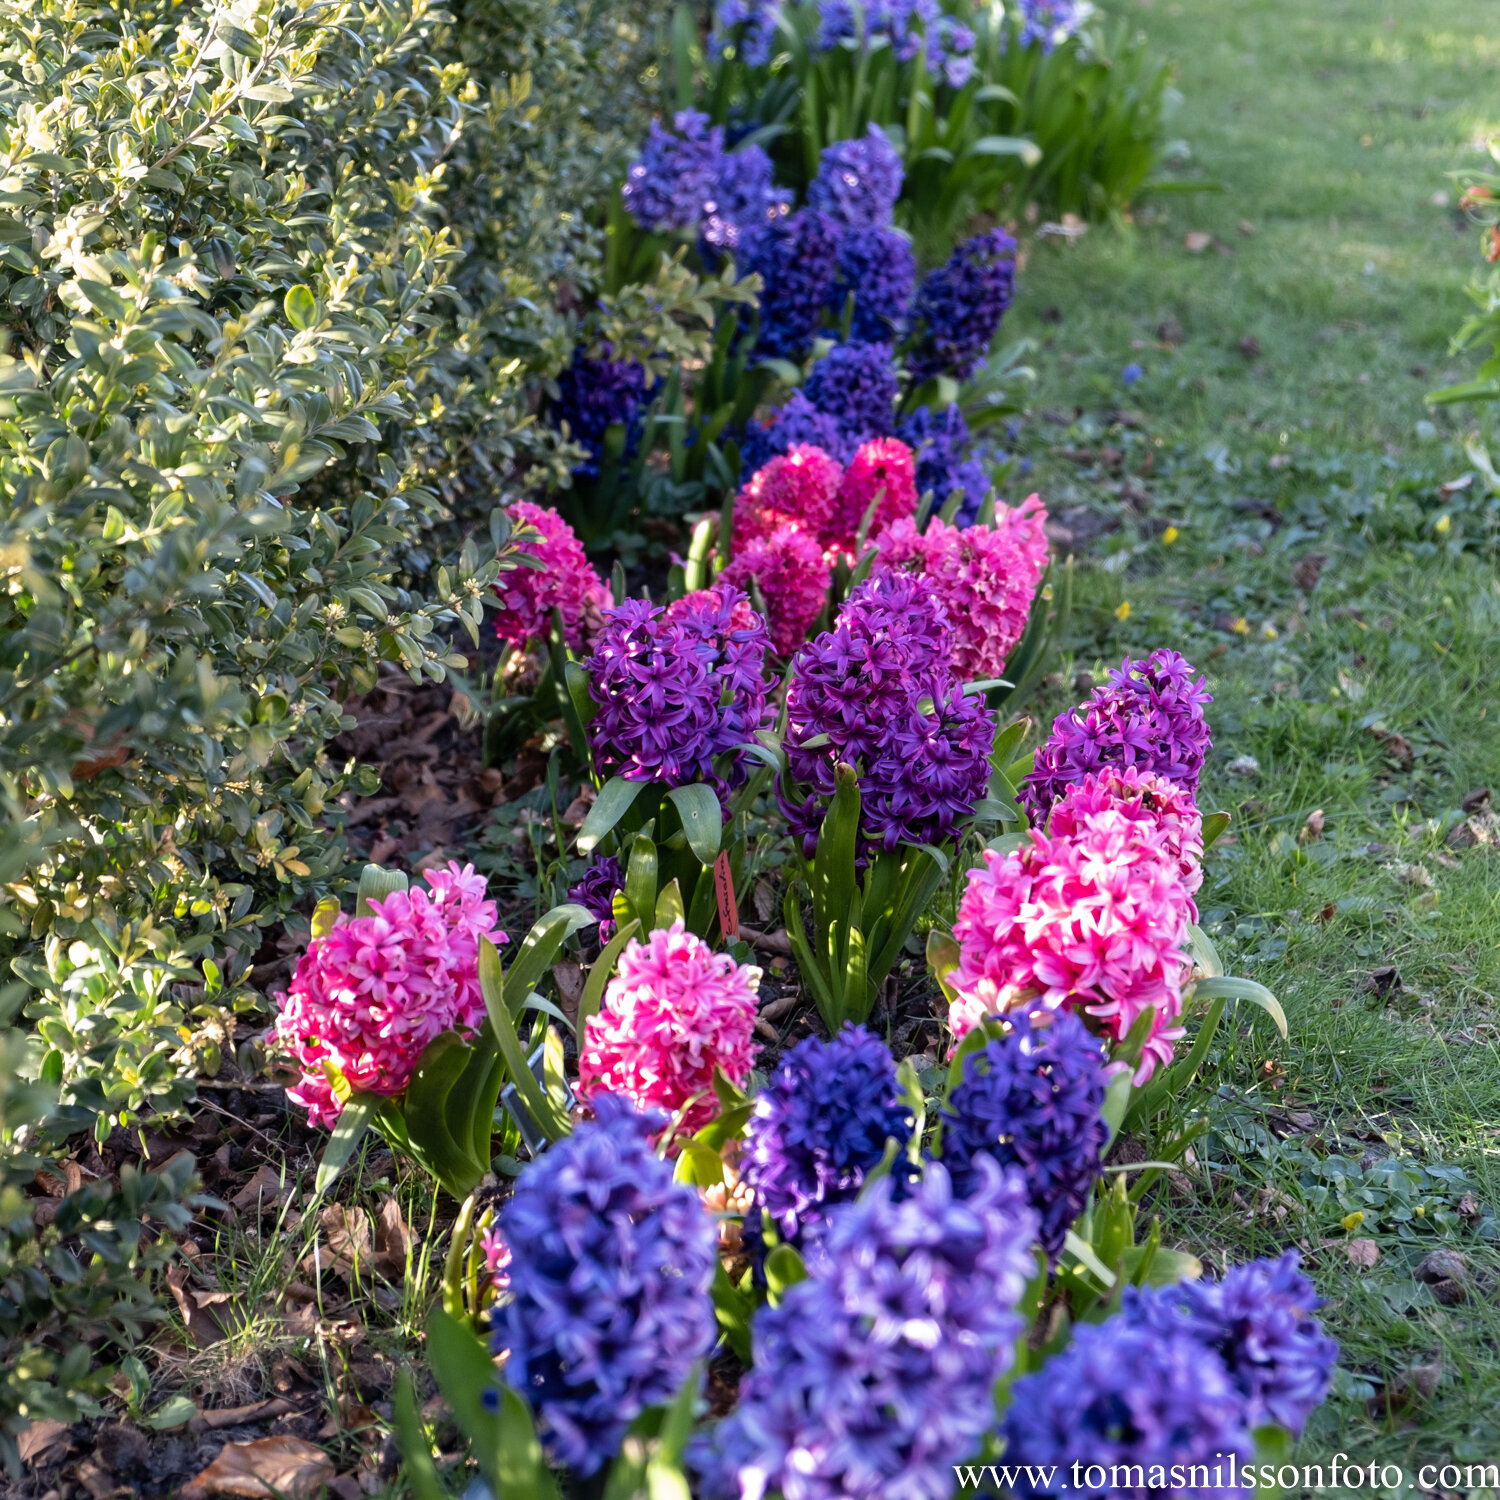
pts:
pixel 986 576
pixel 789 569
pixel 566 582
pixel 678 686
pixel 674 1012
pixel 1149 714
pixel 370 994
pixel 1094 922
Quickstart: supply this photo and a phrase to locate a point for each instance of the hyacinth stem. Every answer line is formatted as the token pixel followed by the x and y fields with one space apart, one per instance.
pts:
pixel 453 1269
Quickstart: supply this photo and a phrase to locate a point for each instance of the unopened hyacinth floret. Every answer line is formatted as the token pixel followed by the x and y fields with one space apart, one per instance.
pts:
pixel 959 306
pixel 668 184
pixel 1033 1102
pixel 1259 1319
pixel 370 994
pixel 1148 714
pixel 608 1304
pixel 674 1014
pixel 677 686
pixel 986 577
pixel 819 1125
pixel 1094 922
pixel 877 1369
pixel 565 582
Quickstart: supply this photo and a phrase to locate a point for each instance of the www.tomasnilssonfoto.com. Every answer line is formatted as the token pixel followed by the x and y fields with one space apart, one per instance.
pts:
pixel 1341 1475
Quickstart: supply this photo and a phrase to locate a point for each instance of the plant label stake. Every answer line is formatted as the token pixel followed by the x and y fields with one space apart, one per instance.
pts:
pixel 729 909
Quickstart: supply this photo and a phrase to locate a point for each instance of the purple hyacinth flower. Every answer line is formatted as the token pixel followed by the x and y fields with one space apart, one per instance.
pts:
pixel 608 1306
pixel 798 421
pixel 1259 1320
pixel 820 1124
pixel 796 258
pixel 1131 373
pixel 858 181
pixel 751 24
pixel 1149 714
pixel 1033 1101
pixel 856 385
pixel 594 395
pixel 940 441
pixel 874 1371
pixel 1123 1395
pixel 596 892
pixel 878 269
pixel 668 184
pixel 959 306
pixel 876 693
pixel 743 205
pixel 677 687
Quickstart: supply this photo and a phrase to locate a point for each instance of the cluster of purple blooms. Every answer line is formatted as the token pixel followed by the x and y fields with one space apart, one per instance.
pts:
pixel 594 395
pixel 911 27
pixel 1033 1101
pixel 1050 22
pixel 596 892
pixel 1148 714
pixel 677 687
pixel 1182 1375
pixel 946 464
pixel 752 24
pixel 877 693
pixel 879 1367
pixel 608 1306
pixel 820 1124
pixel 958 307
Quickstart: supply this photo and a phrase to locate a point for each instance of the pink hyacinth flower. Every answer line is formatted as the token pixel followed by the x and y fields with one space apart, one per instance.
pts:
pixel 370 994
pixel 789 569
pixel 1094 921
pixel 795 489
pixel 566 582
pixel 987 576
pixel 883 468
pixel 674 1011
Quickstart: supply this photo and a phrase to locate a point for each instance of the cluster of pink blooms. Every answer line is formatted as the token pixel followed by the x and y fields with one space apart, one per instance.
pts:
pixel 1146 798
pixel 986 576
pixel 800 514
pixel 369 995
pixel 1093 919
pixel 674 1012
pixel 565 582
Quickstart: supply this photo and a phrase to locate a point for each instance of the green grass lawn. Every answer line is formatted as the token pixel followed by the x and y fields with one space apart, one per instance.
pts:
pixel 1279 418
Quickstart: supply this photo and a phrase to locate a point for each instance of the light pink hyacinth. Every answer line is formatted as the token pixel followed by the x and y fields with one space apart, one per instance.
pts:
pixel 792 575
pixel 1094 921
pixel 674 1011
pixel 496 1257
pixel 567 582
pixel 795 489
pixel 372 993
pixel 1145 797
pixel 987 576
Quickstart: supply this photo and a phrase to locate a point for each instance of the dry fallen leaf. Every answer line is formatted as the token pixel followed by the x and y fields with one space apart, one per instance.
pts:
pixel 233 1416
pixel 1362 1253
pixel 39 1437
pixel 287 1465
pixel 264 1191
pixel 1196 242
pixel 209 1315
